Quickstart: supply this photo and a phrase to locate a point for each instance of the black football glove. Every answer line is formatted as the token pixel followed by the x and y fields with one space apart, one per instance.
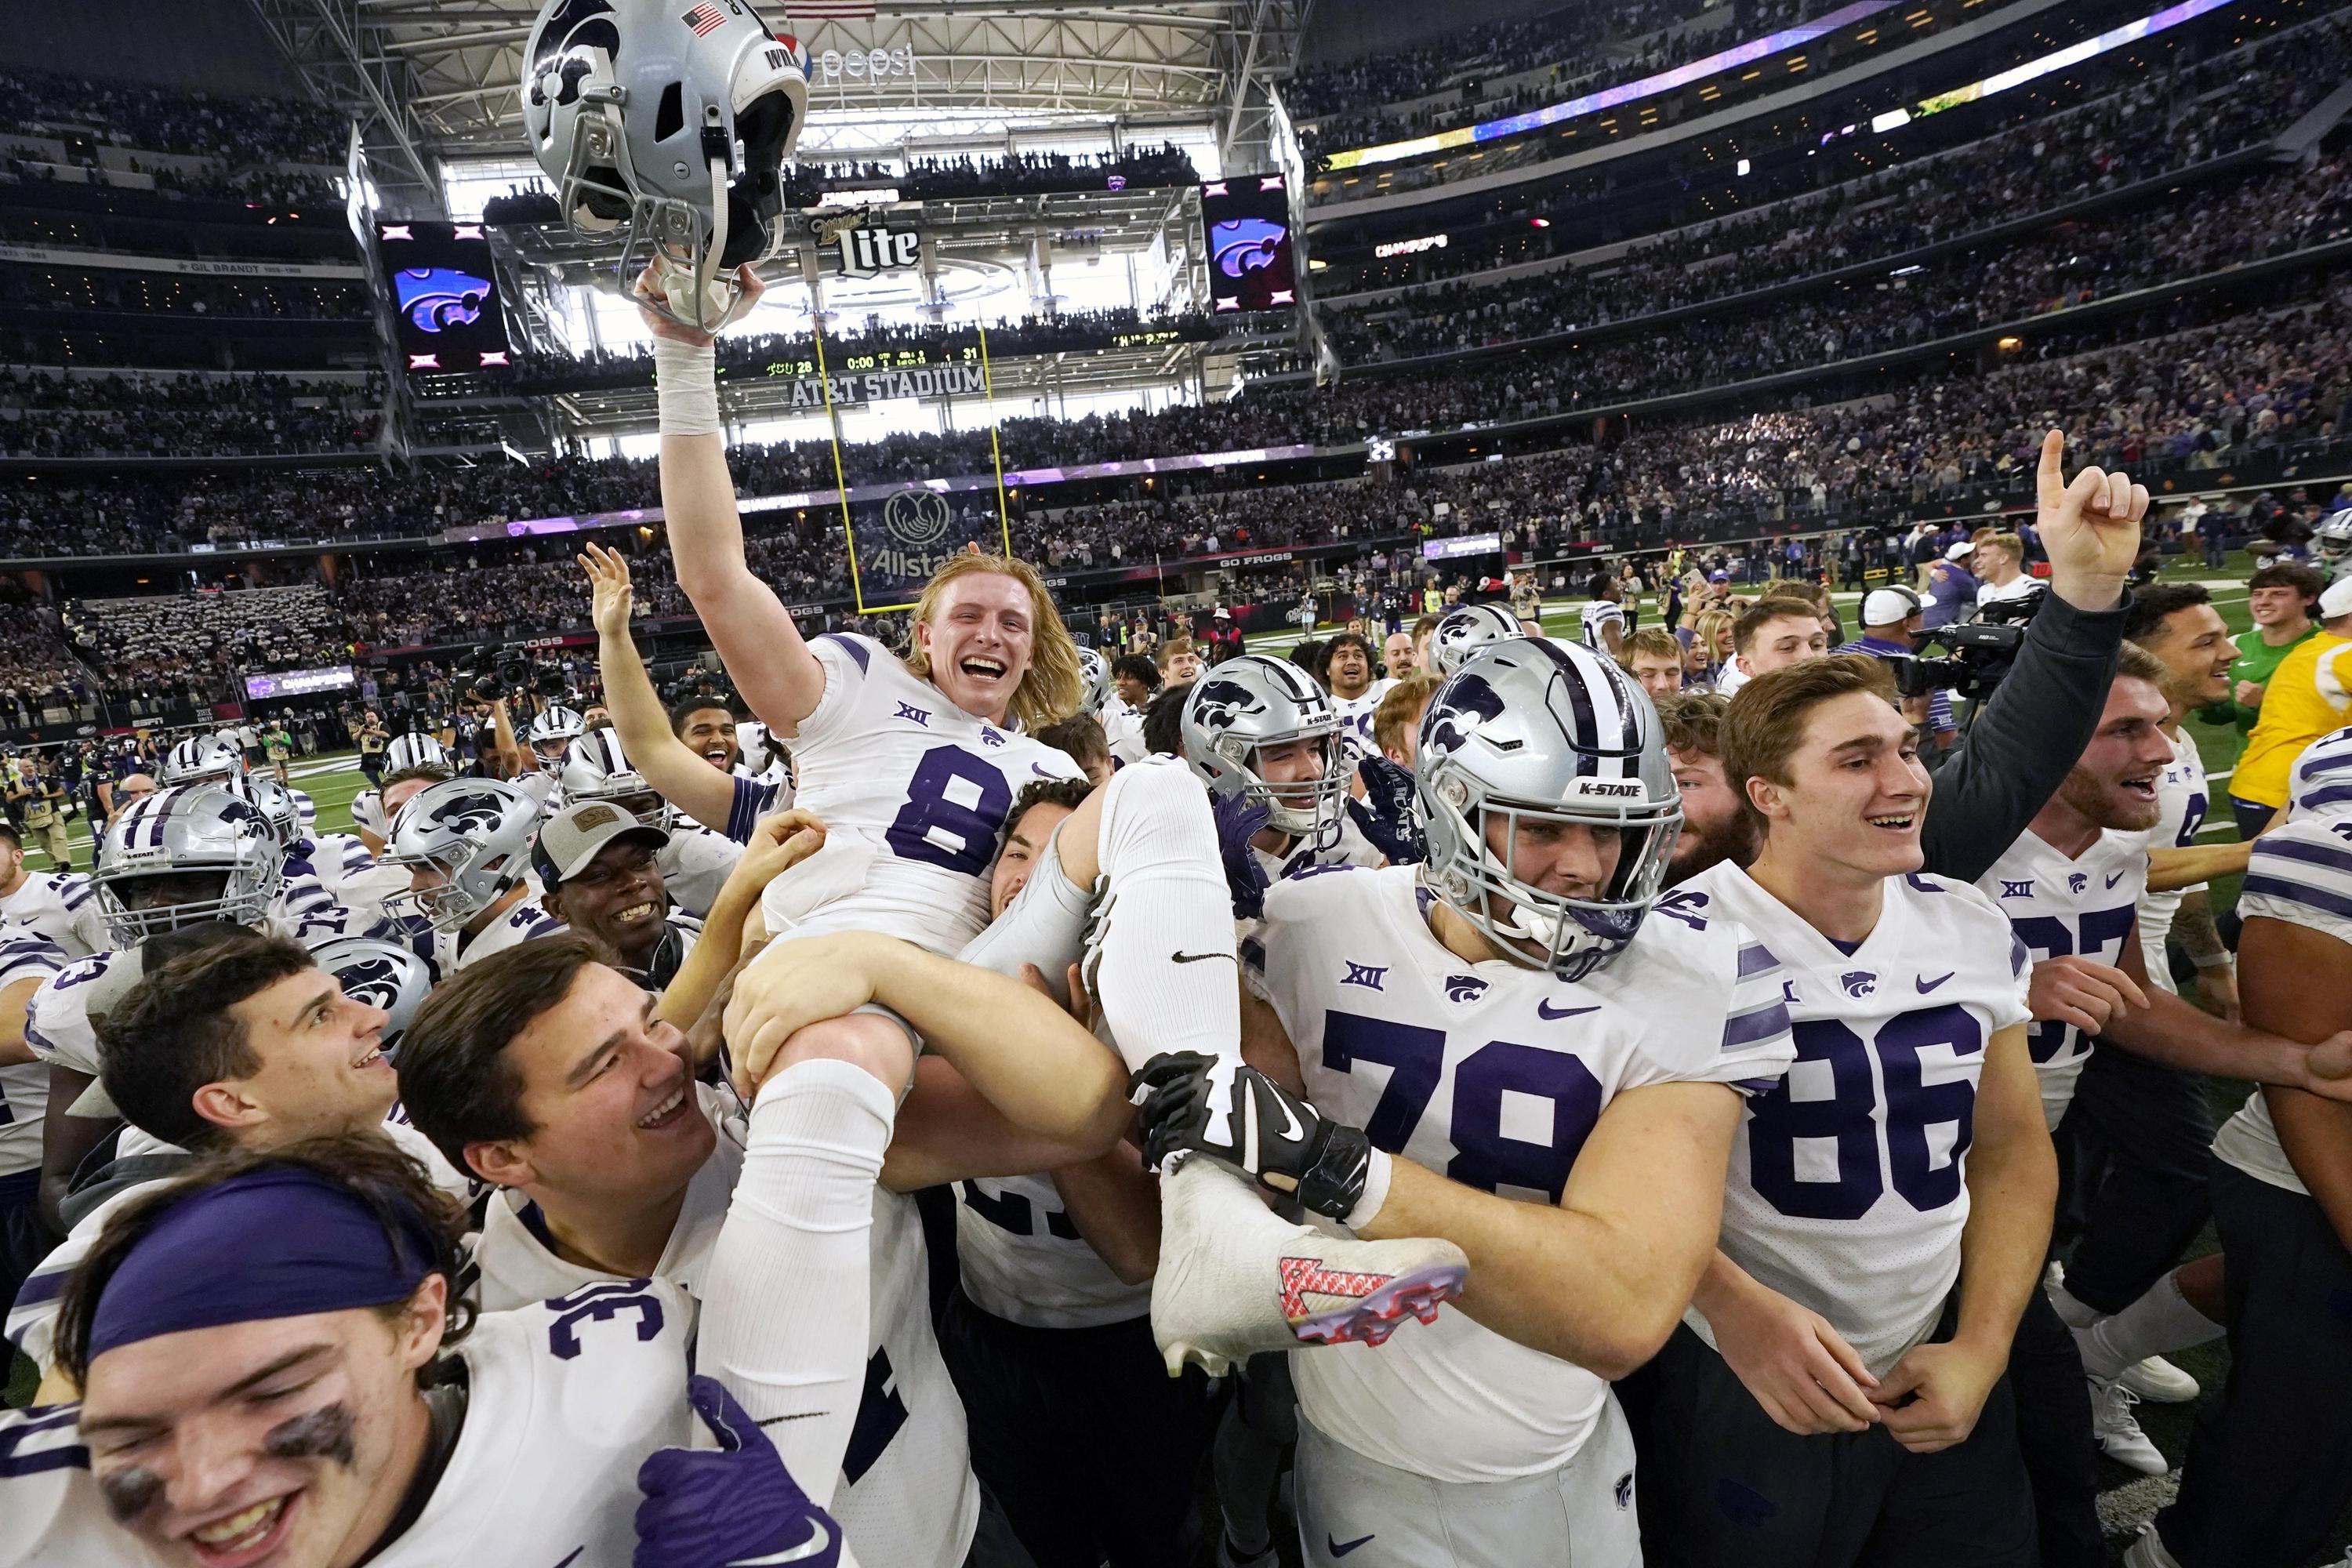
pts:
pixel 1268 1131
pixel 1384 816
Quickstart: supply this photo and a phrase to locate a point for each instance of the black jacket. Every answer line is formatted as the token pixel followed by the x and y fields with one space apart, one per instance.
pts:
pixel 2026 736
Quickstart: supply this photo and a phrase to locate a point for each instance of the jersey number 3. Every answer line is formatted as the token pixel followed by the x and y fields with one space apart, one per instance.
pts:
pixel 1531 1086
pixel 956 804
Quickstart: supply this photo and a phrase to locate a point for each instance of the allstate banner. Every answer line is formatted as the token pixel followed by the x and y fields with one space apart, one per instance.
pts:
pixel 899 532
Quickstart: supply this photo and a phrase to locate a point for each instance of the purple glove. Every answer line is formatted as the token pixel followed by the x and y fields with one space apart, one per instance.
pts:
pixel 1238 821
pixel 738 1505
pixel 1384 816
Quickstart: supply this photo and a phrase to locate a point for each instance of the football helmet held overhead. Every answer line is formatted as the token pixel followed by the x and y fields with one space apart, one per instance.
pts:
pixel 1466 628
pixel 595 768
pixel 672 122
pixel 164 852
pixel 201 759
pixel 465 842
pixel 1538 734
pixel 1242 708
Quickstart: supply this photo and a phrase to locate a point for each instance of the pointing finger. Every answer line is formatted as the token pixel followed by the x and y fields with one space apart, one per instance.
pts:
pixel 2051 478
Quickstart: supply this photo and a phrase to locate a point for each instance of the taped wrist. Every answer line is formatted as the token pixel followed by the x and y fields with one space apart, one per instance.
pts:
pixel 686 385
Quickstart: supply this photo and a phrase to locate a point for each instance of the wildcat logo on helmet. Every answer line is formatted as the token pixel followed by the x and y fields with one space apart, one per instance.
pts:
pixel 575 24
pixel 374 981
pixel 1220 703
pixel 471 814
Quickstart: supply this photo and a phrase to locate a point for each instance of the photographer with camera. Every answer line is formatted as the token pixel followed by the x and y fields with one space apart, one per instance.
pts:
pixel 1892 619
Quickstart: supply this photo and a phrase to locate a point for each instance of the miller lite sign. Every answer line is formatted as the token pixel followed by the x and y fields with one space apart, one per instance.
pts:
pixel 867 245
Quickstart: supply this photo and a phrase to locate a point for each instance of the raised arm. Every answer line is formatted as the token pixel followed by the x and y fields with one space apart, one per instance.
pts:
pixel 771 666
pixel 668 764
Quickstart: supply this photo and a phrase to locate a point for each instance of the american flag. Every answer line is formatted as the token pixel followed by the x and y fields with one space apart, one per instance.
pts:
pixel 705 20
pixel 833 10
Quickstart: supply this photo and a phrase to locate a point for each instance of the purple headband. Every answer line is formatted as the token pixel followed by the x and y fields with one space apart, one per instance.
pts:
pixel 278 1242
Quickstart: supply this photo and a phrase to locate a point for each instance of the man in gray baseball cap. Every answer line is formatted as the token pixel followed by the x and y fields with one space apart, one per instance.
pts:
pixel 598 866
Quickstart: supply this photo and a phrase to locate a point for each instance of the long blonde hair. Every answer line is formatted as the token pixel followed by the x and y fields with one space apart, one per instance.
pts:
pixel 1051 687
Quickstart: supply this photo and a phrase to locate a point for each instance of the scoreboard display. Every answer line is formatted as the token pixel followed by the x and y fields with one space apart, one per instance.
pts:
pixel 444 296
pixel 1252 261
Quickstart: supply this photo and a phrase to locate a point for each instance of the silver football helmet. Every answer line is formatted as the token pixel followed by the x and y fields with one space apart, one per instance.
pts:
pixel 382 974
pixel 473 838
pixel 1540 730
pixel 2332 540
pixel 176 835
pixel 415 749
pixel 272 802
pixel 1245 705
pixel 595 768
pixel 672 122
pixel 201 759
pixel 552 733
pixel 1466 628
pixel 1094 678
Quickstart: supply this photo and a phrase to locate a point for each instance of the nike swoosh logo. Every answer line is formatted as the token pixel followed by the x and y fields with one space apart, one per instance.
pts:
pixel 1341 1548
pixel 796 1415
pixel 2117 877
pixel 1546 1010
pixel 573 1557
pixel 1195 957
pixel 819 1541
pixel 1926 984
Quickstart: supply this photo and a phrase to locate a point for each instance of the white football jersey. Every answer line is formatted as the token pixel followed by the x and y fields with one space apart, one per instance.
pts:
pixel 24 1085
pixel 55 1516
pixel 906 1495
pixel 1356 716
pixel 2300 872
pixel 694 865
pixel 2086 906
pixel 1460 1066
pixel 2181 799
pixel 890 765
pixel 61 906
pixel 1594 618
pixel 1021 1259
pixel 566 1398
pixel 1349 848
pixel 1123 729
pixel 454 949
pixel 1847 1190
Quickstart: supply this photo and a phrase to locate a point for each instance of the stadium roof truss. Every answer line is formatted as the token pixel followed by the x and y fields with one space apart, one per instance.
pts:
pixel 436 78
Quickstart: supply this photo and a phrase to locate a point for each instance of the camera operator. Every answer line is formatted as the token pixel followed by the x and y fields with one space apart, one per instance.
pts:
pixel 1892 619
pixel 2026 733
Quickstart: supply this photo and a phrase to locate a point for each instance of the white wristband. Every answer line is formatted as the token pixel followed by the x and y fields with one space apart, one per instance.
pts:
pixel 1376 1191
pixel 686 385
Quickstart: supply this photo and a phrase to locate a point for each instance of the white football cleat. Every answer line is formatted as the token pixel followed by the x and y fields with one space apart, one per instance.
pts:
pixel 2118 1430
pixel 1237 1280
pixel 2160 1382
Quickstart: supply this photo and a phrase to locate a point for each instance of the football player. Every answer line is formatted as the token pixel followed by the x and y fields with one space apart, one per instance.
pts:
pixel 58 906
pixel 1421 1006
pixel 2141 1130
pixel 550 1074
pixel 1050 1338
pixel 1601 621
pixel 2331 545
pixel 1836 1394
pixel 242 1042
pixel 1260 733
pixel 1463 630
pixel 1355 693
pixel 2267 1479
pixel 466 845
pixel 276 1367
pixel 2069 886
pixel 913 763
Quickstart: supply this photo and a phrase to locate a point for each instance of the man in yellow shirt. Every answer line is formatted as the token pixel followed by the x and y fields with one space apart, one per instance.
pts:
pixel 2308 696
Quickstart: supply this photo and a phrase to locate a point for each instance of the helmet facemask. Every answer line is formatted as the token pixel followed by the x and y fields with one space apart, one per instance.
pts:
pixel 244 898
pixel 1307 809
pixel 471 882
pixel 1572 936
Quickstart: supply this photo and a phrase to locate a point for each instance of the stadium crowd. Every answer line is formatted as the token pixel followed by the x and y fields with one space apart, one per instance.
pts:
pixel 44 415
pixel 129 114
